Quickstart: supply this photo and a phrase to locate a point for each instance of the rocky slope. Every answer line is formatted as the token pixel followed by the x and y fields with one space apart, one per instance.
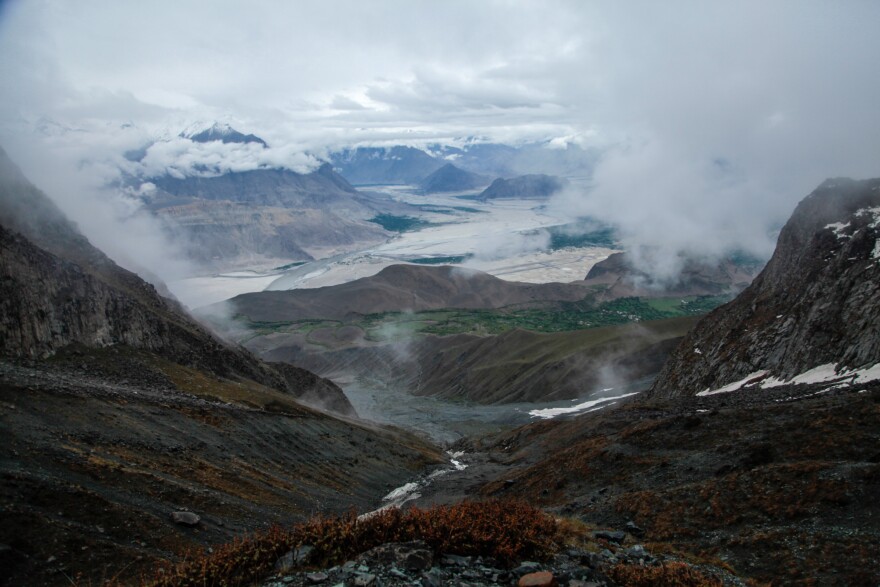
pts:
pixel 376 165
pixel 617 277
pixel 525 186
pixel 399 288
pixel 118 409
pixel 817 302
pixel 450 178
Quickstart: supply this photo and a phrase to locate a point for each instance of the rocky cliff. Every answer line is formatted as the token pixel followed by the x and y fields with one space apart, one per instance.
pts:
pixel 56 289
pixel 816 303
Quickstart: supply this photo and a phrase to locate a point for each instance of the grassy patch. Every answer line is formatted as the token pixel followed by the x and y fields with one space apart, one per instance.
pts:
pixel 586 233
pixel 290 266
pixel 394 223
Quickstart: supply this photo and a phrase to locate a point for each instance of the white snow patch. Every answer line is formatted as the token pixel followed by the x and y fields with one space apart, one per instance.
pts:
pixel 402 491
pixel 548 413
pixel 748 381
pixel 875 254
pixel 698 351
pixel 838 228
pixel 826 373
pixel 875 212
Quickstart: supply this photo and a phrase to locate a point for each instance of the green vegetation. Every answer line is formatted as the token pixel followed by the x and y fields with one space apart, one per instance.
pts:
pixel 584 233
pixel 562 317
pixel 399 223
pixel 468 209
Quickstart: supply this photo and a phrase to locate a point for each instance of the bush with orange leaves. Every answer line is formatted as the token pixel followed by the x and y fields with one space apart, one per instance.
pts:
pixel 505 530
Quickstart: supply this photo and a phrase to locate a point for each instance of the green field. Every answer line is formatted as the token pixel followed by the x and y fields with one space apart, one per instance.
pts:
pixel 441 260
pixel 394 223
pixel 564 317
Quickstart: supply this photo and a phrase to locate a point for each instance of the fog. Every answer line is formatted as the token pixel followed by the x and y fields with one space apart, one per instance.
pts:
pixel 710 120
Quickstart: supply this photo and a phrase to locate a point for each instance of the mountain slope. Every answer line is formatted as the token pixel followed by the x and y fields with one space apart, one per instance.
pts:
pixel 817 302
pixel 118 409
pixel 525 186
pixel 398 288
pixel 376 165
pixel 450 178
pixel 270 213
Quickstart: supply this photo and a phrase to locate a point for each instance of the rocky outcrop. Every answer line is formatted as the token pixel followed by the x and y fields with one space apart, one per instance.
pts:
pixel 450 178
pixel 817 302
pixel 525 186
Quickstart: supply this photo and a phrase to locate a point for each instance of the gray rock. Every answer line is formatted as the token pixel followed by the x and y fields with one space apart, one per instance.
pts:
pixel 365 580
pixel 315 578
pixel 185 518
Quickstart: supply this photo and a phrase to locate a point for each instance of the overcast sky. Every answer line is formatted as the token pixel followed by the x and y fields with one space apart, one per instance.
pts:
pixel 728 111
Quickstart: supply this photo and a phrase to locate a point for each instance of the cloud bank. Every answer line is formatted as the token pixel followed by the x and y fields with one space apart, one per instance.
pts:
pixel 714 118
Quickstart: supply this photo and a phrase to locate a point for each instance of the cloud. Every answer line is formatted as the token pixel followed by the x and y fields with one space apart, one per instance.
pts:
pixel 181 157
pixel 715 118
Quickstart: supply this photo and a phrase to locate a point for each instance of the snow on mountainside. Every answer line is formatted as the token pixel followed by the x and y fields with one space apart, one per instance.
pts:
pixel 223 133
pixel 813 314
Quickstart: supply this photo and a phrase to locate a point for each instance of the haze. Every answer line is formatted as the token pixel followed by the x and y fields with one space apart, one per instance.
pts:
pixel 713 119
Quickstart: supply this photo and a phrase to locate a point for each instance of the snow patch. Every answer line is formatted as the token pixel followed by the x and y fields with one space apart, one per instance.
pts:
pixel 822 374
pixel 748 381
pixel 549 413
pixel 698 351
pixel 838 228
pixel 875 212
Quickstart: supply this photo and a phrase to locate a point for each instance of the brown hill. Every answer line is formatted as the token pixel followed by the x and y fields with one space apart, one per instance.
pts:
pixel 401 288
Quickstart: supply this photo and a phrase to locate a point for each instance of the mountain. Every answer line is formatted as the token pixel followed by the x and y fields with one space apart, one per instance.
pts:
pixel 525 187
pixel 399 288
pixel 450 178
pixel 815 306
pixel 617 276
pixel 225 134
pixel 377 165
pixel 122 417
pixel 240 217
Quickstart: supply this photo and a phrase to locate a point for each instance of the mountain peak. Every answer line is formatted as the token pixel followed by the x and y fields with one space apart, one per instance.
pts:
pixel 224 133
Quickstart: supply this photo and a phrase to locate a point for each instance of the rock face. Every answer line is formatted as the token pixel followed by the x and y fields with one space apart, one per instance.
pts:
pixel 225 134
pixel 617 277
pixel 450 178
pixel 816 302
pixel 525 186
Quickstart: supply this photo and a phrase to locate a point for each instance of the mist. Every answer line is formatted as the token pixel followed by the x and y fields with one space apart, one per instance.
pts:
pixel 699 125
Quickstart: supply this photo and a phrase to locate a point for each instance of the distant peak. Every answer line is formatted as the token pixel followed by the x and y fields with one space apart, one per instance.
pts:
pixel 224 133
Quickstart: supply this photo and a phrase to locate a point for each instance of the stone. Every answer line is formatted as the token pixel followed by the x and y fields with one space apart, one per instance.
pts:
pixel 185 518
pixel 539 579
pixel 365 580
pixel 633 529
pixel 315 578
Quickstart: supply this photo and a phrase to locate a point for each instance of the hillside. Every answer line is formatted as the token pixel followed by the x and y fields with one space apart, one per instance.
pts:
pixel 617 277
pixel 120 413
pixel 533 186
pixel 450 178
pixel 400 288
pixel 815 305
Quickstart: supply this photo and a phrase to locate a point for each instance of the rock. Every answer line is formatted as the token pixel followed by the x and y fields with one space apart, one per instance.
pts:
pixel 185 518
pixel 616 537
pixel 633 529
pixel 453 560
pixel 316 578
pixel 540 579
pixel 365 580
pixel 302 554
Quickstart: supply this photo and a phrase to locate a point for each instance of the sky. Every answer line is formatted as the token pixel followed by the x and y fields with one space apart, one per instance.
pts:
pixel 715 117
